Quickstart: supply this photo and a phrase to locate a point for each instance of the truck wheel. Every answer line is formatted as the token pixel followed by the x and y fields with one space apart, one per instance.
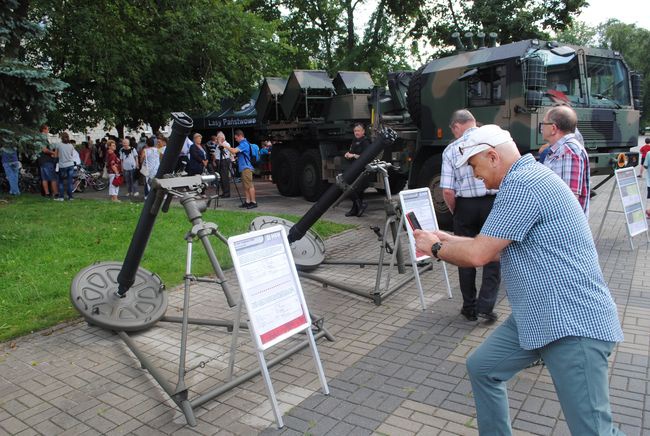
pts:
pixel 312 185
pixel 429 176
pixel 413 96
pixel 286 172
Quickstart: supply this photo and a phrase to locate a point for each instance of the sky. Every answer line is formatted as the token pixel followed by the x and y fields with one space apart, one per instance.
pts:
pixel 626 11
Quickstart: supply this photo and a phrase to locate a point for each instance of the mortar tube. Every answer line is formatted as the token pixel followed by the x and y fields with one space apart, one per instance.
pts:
pixel 182 124
pixel 326 201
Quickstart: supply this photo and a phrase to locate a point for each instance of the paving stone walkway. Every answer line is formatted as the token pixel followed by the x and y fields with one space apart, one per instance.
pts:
pixel 393 369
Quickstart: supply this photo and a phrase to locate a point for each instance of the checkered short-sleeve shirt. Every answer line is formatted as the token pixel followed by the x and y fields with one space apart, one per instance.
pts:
pixel 462 179
pixel 552 277
pixel 569 160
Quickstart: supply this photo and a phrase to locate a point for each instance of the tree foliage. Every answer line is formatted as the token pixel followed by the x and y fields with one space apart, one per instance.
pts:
pixel 133 62
pixel 26 89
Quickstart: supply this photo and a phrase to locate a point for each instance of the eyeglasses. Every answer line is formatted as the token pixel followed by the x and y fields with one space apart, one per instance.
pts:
pixel 462 148
pixel 541 126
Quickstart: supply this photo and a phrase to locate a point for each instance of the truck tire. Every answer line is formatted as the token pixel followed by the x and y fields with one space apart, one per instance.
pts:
pixel 312 185
pixel 286 172
pixel 413 96
pixel 429 176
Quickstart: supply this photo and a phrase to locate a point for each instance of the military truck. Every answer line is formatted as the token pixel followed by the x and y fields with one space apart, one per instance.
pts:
pixel 310 116
pixel 310 119
pixel 513 86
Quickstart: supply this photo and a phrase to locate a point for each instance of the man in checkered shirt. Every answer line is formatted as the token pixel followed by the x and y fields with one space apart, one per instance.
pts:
pixel 567 156
pixel 562 310
pixel 470 203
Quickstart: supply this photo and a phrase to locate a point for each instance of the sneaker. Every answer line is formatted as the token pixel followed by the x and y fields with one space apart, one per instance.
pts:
pixel 469 314
pixel 244 205
pixel 135 194
pixel 116 200
pixel 251 206
pixel 490 318
pixel 58 199
pixel 70 199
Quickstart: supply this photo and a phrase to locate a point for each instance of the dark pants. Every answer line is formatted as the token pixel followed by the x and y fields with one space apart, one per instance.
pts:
pixel 222 167
pixel 469 216
pixel 129 178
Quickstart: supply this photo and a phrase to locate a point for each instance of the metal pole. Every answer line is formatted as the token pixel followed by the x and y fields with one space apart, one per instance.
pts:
pixel 602 221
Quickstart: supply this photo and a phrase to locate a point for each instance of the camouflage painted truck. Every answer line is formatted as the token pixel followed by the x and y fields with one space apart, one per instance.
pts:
pixel 311 117
pixel 513 86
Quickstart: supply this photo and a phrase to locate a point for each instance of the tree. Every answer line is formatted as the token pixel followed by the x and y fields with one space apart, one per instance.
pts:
pixel 26 89
pixel 136 62
pixel 325 35
pixel 579 33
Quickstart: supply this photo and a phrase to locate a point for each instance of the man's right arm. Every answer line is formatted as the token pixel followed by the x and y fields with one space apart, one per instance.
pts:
pixel 449 195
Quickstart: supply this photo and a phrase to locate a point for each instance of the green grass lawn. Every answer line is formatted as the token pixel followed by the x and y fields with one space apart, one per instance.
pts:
pixel 44 244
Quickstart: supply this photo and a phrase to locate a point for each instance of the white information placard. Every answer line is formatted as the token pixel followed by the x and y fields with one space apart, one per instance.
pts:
pixel 269 284
pixel 632 201
pixel 419 202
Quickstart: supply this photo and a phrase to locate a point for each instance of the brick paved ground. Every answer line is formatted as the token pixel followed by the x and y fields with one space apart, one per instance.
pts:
pixel 393 369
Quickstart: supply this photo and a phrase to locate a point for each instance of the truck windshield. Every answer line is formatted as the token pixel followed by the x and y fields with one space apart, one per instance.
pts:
pixel 607 82
pixel 562 76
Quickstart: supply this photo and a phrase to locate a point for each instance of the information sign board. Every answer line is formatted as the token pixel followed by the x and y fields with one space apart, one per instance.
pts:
pixel 419 202
pixel 632 201
pixel 269 284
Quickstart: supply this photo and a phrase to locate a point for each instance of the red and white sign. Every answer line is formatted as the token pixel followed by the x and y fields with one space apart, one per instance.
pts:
pixel 270 286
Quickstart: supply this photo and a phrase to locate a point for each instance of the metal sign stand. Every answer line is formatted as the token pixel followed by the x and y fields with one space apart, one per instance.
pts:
pixel 623 179
pixel 274 302
pixel 428 261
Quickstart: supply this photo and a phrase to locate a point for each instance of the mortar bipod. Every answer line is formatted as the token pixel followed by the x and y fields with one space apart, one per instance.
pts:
pixel 390 223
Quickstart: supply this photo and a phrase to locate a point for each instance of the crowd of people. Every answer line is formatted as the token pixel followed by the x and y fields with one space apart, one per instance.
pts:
pixel 131 162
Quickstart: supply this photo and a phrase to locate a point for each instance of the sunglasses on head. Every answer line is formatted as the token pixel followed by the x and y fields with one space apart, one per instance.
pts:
pixel 462 148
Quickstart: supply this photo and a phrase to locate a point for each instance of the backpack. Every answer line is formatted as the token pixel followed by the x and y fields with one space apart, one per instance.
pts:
pixel 254 154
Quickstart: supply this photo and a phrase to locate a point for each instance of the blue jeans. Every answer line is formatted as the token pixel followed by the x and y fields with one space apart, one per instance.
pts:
pixel 68 174
pixel 12 169
pixel 578 367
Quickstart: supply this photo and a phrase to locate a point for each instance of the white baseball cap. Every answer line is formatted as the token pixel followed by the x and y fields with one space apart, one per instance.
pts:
pixel 481 139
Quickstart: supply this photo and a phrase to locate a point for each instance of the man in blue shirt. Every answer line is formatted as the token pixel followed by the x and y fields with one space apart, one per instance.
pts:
pixel 243 153
pixel 562 310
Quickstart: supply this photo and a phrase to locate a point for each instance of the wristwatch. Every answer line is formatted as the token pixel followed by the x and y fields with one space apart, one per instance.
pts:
pixel 435 248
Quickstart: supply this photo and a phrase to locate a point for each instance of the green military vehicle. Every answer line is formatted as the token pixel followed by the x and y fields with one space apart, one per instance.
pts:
pixel 513 86
pixel 310 117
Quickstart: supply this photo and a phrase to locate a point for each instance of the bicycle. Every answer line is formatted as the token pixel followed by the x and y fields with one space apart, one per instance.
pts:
pixel 84 178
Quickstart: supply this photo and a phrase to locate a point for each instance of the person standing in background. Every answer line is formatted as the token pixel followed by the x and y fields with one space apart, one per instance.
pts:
pixel 150 159
pixel 114 168
pixel 129 159
pixel 46 164
pixel 470 203
pixel 359 144
pixel 65 151
pixel 11 164
pixel 645 148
